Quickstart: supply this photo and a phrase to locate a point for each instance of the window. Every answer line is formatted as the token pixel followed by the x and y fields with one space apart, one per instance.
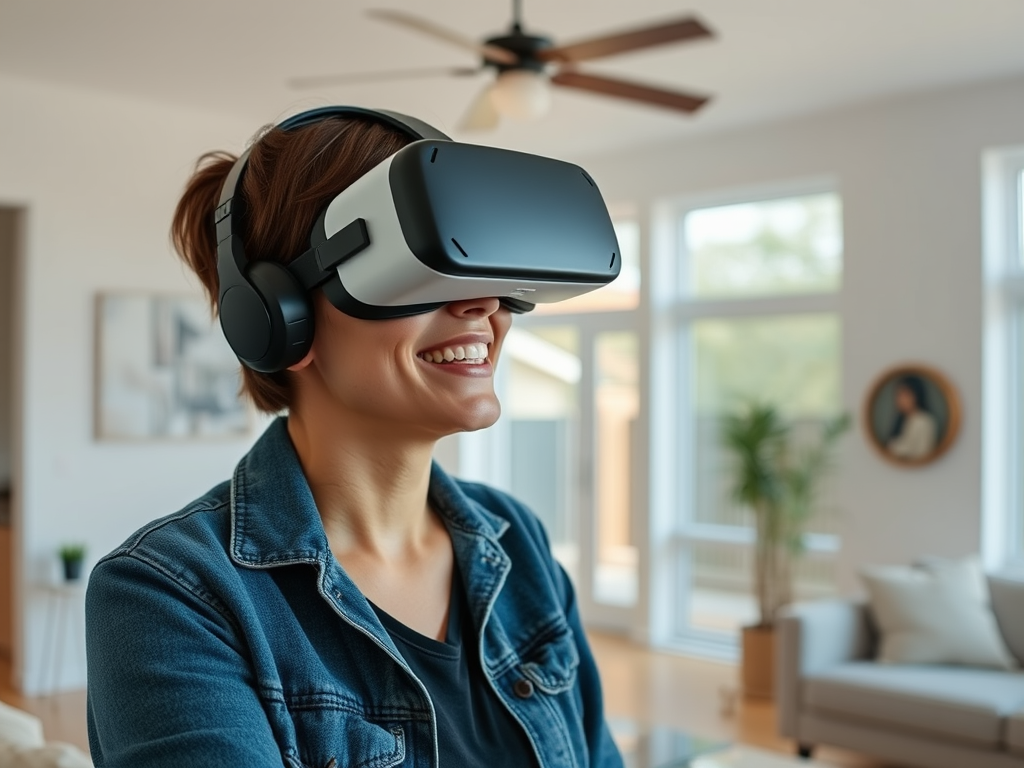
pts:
pixel 1003 373
pixel 571 406
pixel 750 314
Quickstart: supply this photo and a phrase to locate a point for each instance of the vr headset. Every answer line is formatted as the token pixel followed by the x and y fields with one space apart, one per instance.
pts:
pixel 436 222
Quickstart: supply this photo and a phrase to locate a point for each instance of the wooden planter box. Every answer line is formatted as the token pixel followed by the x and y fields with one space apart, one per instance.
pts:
pixel 757 667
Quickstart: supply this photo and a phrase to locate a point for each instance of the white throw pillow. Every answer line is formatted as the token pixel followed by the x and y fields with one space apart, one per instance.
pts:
pixel 935 614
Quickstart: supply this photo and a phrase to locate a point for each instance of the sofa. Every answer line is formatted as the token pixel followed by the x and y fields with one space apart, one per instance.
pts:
pixel 831 689
pixel 22 744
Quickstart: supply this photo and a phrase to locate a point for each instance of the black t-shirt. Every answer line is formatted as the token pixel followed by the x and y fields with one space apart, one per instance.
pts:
pixel 473 726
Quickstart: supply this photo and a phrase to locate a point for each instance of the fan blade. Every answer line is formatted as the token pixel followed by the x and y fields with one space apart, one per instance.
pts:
pixel 625 90
pixel 489 52
pixel 688 28
pixel 316 81
pixel 482 115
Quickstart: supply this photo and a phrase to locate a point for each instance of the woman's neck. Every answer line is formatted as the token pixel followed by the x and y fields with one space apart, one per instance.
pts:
pixel 369 482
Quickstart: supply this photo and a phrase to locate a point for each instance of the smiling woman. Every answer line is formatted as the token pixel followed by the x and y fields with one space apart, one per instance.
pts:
pixel 341 601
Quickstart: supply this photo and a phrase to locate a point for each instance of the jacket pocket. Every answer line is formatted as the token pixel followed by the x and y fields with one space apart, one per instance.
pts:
pixel 330 738
pixel 551 662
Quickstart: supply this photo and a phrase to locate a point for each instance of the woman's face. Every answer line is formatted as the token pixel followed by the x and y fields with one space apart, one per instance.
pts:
pixel 906 402
pixel 431 374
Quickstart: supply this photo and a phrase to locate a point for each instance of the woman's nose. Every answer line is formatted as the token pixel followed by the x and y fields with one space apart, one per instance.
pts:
pixel 470 308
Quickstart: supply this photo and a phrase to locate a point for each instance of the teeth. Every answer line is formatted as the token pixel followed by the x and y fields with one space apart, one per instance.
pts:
pixel 469 352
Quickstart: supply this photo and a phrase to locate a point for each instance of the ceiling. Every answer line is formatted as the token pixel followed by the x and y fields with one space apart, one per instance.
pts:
pixel 768 60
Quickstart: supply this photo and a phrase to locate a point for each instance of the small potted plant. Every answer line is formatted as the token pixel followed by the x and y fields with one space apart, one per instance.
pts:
pixel 72 555
pixel 778 482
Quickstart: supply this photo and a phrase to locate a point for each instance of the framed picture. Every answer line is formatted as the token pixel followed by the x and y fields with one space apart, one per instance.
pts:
pixel 164 370
pixel 912 415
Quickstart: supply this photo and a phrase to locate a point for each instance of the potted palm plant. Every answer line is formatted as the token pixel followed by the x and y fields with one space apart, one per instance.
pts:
pixel 778 482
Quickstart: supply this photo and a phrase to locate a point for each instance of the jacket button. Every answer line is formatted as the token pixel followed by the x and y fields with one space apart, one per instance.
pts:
pixel 523 688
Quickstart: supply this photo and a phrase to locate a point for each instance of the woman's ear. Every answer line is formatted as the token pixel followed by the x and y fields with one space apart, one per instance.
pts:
pixel 303 362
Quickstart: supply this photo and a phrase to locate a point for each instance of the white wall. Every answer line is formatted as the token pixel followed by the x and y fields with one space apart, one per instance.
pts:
pixel 909 172
pixel 99 178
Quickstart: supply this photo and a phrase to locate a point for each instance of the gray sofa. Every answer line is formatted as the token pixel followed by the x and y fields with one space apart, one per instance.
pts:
pixel 830 691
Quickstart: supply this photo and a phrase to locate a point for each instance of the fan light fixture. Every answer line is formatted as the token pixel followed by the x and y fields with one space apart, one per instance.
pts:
pixel 527 66
pixel 522 94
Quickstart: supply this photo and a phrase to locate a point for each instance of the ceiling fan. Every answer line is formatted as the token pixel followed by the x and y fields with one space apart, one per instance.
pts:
pixel 528 64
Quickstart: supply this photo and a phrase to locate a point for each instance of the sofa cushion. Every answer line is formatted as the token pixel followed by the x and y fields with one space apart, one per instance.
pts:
pixel 18 728
pixel 952 703
pixel 1015 733
pixel 935 615
pixel 22 744
pixel 1007 595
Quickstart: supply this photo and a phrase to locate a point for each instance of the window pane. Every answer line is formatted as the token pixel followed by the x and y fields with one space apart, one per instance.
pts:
pixel 541 404
pixel 721 587
pixel 617 404
pixel 722 590
pixel 791 362
pixel 623 292
pixel 783 246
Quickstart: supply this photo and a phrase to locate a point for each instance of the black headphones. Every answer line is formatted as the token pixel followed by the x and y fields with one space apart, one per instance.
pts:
pixel 265 310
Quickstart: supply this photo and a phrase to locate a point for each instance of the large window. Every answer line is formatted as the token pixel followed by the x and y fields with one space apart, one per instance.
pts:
pixel 1003 451
pixel 751 316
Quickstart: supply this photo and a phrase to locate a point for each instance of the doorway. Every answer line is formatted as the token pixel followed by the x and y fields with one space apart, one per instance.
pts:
pixel 10 300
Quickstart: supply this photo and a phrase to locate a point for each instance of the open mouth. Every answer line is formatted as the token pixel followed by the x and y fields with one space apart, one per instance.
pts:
pixel 464 354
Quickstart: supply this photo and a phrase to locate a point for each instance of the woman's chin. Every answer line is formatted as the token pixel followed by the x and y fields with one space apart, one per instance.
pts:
pixel 478 415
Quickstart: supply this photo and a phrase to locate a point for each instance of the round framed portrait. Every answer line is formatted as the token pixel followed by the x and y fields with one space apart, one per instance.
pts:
pixel 912 415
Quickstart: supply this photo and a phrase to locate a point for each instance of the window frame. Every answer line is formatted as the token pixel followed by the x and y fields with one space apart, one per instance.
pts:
pixel 1002 520
pixel 672 312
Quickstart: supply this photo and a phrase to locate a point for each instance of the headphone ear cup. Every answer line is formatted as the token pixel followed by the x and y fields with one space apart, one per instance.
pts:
pixel 290 315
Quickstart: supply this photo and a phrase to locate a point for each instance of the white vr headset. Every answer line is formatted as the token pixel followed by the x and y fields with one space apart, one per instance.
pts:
pixel 436 222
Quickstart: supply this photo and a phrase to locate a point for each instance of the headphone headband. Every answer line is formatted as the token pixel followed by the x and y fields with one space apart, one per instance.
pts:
pixel 264 310
pixel 412 127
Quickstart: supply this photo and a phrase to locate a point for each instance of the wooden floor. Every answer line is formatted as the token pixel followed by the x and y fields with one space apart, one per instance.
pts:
pixel 647 687
pixel 693 695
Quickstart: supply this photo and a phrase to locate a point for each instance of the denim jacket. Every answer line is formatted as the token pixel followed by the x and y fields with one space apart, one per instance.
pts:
pixel 228 635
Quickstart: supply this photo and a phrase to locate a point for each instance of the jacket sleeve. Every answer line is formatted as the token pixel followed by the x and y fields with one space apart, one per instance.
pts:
pixel 169 682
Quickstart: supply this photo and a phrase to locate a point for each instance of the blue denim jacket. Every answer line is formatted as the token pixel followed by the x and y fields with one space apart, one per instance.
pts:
pixel 228 635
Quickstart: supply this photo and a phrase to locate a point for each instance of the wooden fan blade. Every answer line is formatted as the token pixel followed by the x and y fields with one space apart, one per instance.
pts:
pixel 626 90
pixel 489 52
pixel 317 81
pixel 482 115
pixel 688 28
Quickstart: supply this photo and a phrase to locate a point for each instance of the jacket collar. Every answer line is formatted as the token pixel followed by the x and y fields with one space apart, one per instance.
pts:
pixel 274 520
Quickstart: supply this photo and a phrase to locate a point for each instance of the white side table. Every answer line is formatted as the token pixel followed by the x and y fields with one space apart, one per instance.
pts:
pixel 64 617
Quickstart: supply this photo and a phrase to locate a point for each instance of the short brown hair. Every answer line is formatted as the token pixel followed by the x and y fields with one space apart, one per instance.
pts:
pixel 290 178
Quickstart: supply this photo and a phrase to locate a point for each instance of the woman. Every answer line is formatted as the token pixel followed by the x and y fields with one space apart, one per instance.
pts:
pixel 914 433
pixel 342 601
